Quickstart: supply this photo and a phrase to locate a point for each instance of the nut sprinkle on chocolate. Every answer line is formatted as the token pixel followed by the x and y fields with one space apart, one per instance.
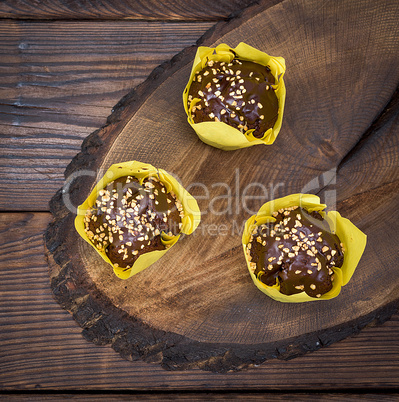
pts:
pixel 238 93
pixel 128 218
pixel 298 251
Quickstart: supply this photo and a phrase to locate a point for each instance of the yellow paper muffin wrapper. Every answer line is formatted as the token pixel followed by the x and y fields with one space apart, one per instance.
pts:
pixel 221 135
pixel 351 237
pixel 141 171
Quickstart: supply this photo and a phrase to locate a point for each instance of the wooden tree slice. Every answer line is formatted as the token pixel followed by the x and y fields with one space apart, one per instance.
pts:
pixel 197 306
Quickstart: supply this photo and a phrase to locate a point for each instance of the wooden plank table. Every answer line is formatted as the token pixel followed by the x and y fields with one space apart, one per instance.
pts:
pixel 64 66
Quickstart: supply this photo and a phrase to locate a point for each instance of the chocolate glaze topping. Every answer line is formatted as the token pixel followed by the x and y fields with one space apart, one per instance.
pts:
pixel 238 93
pixel 298 250
pixel 128 218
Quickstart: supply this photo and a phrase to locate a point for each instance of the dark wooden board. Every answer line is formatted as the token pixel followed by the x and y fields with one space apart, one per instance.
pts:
pixel 60 80
pixel 195 396
pixel 119 10
pixel 42 347
pixel 197 306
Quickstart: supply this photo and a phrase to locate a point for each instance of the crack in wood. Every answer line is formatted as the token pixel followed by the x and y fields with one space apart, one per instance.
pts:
pixel 385 116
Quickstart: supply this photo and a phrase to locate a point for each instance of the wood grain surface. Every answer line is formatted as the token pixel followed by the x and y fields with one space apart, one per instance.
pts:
pixel 195 396
pixel 122 9
pixel 42 348
pixel 60 82
pixel 60 79
pixel 198 305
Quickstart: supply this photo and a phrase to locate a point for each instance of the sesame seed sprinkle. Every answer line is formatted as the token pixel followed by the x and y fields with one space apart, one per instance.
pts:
pixel 300 240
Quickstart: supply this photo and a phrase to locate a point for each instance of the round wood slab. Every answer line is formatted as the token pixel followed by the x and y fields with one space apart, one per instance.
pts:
pixel 197 306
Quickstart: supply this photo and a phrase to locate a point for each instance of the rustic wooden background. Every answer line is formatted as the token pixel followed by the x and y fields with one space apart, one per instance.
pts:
pixel 64 65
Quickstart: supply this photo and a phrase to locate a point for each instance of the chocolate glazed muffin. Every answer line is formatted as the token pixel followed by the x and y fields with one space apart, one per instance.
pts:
pixel 128 219
pixel 238 93
pixel 298 250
